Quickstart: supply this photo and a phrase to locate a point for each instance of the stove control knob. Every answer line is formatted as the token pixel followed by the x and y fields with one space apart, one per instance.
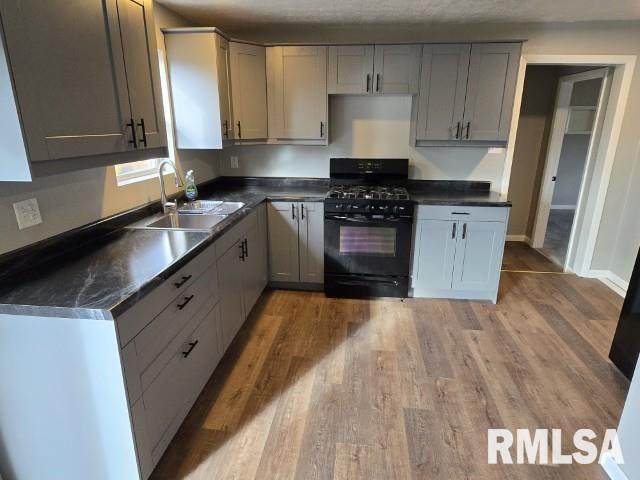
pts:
pixel 395 209
pixel 339 206
pixel 385 208
pixel 367 208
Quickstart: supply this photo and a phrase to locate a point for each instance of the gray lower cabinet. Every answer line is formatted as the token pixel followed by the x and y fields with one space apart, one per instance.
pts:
pixel 296 242
pixel 242 271
pixel 85 82
pixel 458 252
pixel 467 92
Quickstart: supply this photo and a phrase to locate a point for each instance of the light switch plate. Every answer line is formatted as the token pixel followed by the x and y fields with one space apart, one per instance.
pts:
pixel 27 213
pixel 234 161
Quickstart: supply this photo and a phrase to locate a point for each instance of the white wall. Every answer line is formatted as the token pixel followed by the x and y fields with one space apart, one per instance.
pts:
pixel 74 199
pixel 534 125
pixel 366 126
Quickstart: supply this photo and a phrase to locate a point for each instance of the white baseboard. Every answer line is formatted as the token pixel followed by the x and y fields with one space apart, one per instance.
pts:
pixel 563 207
pixel 519 238
pixel 611 280
pixel 612 469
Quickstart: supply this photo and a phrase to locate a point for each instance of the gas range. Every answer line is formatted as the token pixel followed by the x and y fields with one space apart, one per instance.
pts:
pixel 368 192
pixel 368 218
pixel 375 199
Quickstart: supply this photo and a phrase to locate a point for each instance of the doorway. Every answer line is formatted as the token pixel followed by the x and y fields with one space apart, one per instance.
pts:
pixel 597 172
pixel 575 131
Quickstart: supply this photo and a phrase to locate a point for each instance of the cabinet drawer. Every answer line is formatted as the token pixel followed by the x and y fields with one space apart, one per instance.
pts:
pixel 139 315
pixel 228 240
pixel 173 391
pixel 152 341
pixel 481 214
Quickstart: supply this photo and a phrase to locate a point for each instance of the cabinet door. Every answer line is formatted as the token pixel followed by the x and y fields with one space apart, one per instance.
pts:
pixel 141 63
pixel 222 64
pixel 252 267
pixel 249 89
pixel 433 256
pixel 311 242
pixel 283 241
pixel 68 71
pixel 478 256
pixel 231 294
pixel 350 69
pixel 396 69
pixel 443 86
pixel 297 90
pixel 493 69
pixel 192 61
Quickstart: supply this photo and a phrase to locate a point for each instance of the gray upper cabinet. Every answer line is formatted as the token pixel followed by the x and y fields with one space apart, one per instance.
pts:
pixel 396 69
pixel 350 69
pixel 443 86
pixel 297 93
pixel 467 92
pixel 248 69
pixel 198 65
pixel 374 69
pixel 493 69
pixel 81 71
pixel 141 64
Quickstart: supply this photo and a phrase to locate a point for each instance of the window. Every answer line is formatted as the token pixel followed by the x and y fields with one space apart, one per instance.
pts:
pixel 127 173
pixel 137 171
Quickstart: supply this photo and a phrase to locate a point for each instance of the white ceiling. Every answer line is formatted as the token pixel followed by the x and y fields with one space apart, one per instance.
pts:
pixel 241 14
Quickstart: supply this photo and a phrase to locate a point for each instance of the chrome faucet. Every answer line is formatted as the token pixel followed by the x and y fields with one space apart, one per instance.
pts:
pixel 166 205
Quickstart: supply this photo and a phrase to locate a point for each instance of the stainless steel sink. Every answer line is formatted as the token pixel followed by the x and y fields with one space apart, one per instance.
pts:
pixel 227 208
pixel 199 207
pixel 178 221
pixel 202 215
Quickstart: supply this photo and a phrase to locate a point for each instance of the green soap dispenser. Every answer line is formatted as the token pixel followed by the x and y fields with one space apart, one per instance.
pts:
pixel 190 189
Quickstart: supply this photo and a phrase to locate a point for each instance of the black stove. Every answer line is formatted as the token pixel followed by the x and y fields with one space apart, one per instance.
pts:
pixel 368 224
pixel 367 192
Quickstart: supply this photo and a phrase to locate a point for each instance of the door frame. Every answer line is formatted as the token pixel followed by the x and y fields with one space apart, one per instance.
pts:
pixel 554 150
pixel 596 189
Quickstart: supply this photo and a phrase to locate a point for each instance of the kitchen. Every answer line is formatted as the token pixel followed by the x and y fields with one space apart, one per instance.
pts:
pixel 287 131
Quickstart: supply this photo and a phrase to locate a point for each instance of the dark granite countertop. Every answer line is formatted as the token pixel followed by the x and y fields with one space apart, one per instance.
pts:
pixel 106 275
pixel 103 278
pixel 463 198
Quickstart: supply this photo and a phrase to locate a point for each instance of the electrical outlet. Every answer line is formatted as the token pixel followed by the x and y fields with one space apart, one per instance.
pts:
pixel 27 213
pixel 234 161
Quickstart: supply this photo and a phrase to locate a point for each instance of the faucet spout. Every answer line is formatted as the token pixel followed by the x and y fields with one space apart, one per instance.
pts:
pixel 166 205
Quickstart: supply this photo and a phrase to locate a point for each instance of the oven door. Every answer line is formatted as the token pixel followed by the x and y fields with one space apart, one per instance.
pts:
pixel 367 244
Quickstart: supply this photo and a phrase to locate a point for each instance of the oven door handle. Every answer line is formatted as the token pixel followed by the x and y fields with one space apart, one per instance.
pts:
pixel 393 283
pixel 344 218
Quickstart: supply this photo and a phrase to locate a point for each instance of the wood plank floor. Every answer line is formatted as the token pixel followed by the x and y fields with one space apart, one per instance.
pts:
pixel 317 388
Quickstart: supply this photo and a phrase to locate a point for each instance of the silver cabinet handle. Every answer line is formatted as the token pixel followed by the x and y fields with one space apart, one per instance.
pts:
pixel 464 231
pixel 302 208
pixel 293 211
pixel 377 82
pixel 368 81
pixel 458 130
pixel 453 230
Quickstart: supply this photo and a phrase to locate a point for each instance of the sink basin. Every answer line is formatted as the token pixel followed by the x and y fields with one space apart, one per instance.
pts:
pixel 176 221
pixel 227 208
pixel 199 207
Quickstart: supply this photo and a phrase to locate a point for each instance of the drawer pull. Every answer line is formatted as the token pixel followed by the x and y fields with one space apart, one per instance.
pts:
pixel 185 279
pixel 192 345
pixel 460 213
pixel 186 301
